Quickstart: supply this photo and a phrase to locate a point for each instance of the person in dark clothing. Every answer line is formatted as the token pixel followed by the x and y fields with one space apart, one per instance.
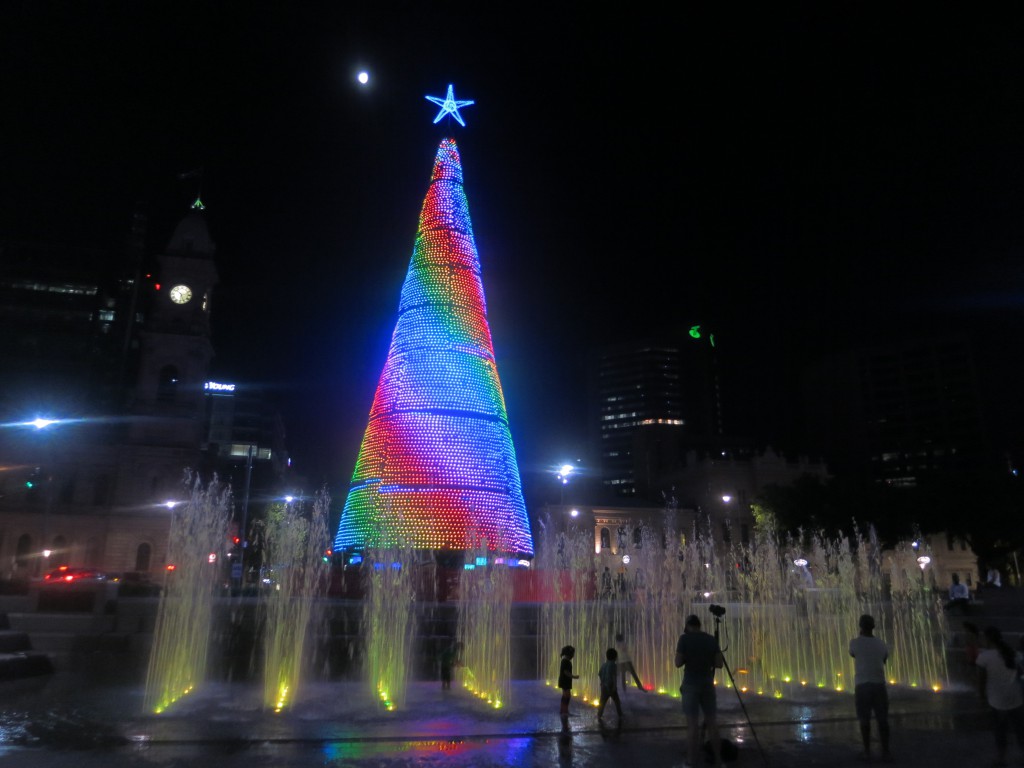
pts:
pixel 698 653
pixel 565 678
pixel 609 674
pixel 449 658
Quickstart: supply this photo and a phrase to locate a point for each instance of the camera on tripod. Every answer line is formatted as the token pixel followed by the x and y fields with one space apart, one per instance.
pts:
pixel 718 611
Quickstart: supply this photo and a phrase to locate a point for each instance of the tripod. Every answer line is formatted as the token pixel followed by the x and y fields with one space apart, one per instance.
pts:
pixel 725 664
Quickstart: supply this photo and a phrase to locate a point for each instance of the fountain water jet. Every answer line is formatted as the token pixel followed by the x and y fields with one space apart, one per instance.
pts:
pixel 484 626
pixel 181 637
pixel 296 542
pixel 389 621
pixel 784 629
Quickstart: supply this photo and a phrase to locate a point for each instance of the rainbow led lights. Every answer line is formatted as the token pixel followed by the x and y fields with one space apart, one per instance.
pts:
pixel 436 468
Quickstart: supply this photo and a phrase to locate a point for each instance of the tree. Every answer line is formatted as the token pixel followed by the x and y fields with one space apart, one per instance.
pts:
pixel 982 507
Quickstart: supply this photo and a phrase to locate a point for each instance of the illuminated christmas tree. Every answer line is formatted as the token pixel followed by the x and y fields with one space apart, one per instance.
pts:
pixel 437 468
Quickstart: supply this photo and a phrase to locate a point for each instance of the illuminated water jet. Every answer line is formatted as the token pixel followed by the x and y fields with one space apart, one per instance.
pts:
pixel 296 540
pixel 389 622
pixel 484 627
pixel 783 629
pixel 181 637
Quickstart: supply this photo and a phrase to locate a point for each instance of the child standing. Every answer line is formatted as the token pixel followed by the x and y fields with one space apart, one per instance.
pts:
pixel 565 678
pixel 609 683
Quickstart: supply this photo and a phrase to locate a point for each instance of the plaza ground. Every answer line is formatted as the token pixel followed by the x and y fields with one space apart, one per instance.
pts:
pixel 90 718
pixel 90 713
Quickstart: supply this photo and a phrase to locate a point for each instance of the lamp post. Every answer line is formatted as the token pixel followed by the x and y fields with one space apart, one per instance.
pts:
pixel 40 424
pixel 245 515
pixel 726 520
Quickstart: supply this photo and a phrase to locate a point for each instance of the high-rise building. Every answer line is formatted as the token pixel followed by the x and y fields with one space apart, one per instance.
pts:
pixel 68 317
pixel 651 400
pixel 635 386
pixel 244 444
pixel 437 469
pixel 891 412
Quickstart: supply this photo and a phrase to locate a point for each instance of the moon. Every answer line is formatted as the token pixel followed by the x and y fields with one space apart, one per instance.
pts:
pixel 363 77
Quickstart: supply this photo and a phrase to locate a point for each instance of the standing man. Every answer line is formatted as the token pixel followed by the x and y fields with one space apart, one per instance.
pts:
pixel 698 652
pixel 870 695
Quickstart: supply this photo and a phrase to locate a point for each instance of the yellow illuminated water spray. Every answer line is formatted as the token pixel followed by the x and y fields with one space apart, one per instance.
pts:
pixel 294 574
pixel 181 637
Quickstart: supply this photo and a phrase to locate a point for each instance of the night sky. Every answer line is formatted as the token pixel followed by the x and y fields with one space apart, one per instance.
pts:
pixel 798 181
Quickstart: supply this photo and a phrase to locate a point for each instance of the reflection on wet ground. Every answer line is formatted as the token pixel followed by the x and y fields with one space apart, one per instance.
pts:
pixel 45 722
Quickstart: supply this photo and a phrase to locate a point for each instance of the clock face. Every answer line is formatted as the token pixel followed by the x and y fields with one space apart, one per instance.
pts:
pixel 181 294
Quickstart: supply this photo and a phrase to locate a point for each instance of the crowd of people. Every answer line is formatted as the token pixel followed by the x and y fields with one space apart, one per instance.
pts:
pixel 999 670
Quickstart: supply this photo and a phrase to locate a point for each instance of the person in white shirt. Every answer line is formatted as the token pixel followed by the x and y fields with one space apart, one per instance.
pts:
pixel 992 578
pixel 998 686
pixel 959 596
pixel 870 694
pixel 626 661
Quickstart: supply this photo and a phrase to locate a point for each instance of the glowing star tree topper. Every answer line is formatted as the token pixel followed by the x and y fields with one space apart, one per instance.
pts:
pixel 449 106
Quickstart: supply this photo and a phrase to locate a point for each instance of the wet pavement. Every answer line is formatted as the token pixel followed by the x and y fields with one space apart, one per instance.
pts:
pixel 90 721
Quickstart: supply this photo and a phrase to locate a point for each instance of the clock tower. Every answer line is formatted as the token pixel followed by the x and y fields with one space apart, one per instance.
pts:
pixel 175 350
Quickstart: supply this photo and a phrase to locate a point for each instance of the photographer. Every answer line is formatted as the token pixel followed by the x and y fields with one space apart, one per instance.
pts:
pixel 699 653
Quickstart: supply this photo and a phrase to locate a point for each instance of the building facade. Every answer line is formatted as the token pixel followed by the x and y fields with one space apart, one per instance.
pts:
pixel 105 405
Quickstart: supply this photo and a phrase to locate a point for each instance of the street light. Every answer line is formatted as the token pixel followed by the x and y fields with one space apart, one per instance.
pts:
pixel 40 423
pixel 563 474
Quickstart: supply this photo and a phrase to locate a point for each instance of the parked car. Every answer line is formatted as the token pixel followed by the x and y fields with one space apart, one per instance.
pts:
pixel 135 584
pixel 67 575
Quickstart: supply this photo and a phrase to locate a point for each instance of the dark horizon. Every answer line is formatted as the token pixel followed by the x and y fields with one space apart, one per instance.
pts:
pixel 799 183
